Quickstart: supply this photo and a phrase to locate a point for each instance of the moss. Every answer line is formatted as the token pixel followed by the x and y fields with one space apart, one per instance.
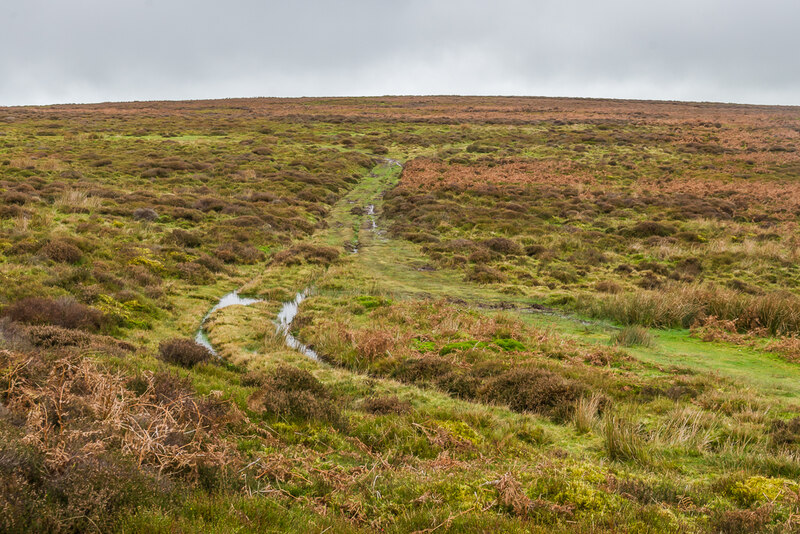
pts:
pixel 759 489
pixel 508 344
pixel 462 345
pixel 371 302
pixel 423 346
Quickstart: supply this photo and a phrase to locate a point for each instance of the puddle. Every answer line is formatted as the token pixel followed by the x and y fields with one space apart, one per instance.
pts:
pixel 284 324
pixel 371 213
pixel 231 299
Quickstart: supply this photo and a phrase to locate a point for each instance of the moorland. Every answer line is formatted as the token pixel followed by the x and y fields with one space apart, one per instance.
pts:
pixel 523 315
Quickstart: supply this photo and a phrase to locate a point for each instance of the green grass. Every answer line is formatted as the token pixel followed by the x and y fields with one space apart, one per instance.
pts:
pixel 511 411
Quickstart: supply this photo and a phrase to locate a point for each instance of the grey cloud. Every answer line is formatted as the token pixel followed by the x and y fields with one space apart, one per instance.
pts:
pixel 96 50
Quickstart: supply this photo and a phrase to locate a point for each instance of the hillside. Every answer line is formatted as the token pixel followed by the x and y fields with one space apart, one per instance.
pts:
pixel 513 315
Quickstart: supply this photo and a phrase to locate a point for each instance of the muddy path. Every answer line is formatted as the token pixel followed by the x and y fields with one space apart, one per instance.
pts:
pixel 289 309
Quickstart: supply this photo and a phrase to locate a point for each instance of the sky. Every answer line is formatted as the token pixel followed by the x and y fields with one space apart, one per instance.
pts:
pixel 77 51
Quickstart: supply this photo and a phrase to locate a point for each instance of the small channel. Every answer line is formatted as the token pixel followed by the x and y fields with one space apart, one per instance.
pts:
pixel 284 325
pixel 231 299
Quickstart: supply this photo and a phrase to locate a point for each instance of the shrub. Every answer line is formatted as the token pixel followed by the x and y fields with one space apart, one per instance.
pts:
pixel 169 386
pixel 145 214
pixel 194 273
pixel 421 370
pixel 785 432
pixel 503 245
pixel 184 352
pixel 386 404
pixel 239 253
pixel 308 253
pixel 63 311
pixel 742 521
pixel 207 204
pixel 535 250
pixel 484 274
pixel 62 251
pixel 650 228
pixel 532 390
pixel 48 336
pixel 246 221
pixel 292 392
pixel 482 255
pixel 185 239
pixel 211 263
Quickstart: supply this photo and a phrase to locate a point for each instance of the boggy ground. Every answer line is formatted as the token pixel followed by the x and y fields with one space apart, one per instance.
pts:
pixel 571 316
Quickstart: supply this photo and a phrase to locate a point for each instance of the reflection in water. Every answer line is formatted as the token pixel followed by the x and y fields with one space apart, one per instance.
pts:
pixel 231 299
pixel 285 318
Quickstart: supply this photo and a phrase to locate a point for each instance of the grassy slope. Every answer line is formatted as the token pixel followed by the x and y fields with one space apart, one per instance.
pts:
pixel 441 465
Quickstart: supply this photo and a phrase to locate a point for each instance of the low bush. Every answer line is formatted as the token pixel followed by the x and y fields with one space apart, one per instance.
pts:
pixel 385 404
pixel 649 229
pixel 64 311
pixel 49 336
pixel 503 245
pixel 483 274
pixel 422 369
pixel 290 392
pixel 211 263
pixel 145 214
pixel 184 239
pixel 306 253
pixel 194 273
pixel 533 390
pixel 61 251
pixel 742 521
pixel 785 432
pixel 239 253
pixel 184 352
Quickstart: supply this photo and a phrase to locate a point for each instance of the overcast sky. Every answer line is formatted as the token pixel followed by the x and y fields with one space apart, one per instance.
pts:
pixel 59 51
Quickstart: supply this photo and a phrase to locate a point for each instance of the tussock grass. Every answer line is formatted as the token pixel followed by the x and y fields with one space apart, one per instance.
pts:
pixel 585 416
pixel 622 439
pixel 633 336
pixel 681 306
pixel 76 200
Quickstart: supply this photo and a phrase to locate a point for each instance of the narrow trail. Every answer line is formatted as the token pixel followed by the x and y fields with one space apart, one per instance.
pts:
pixel 289 309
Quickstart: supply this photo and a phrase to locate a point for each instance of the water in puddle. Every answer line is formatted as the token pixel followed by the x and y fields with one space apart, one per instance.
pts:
pixel 231 299
pixel 284 323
